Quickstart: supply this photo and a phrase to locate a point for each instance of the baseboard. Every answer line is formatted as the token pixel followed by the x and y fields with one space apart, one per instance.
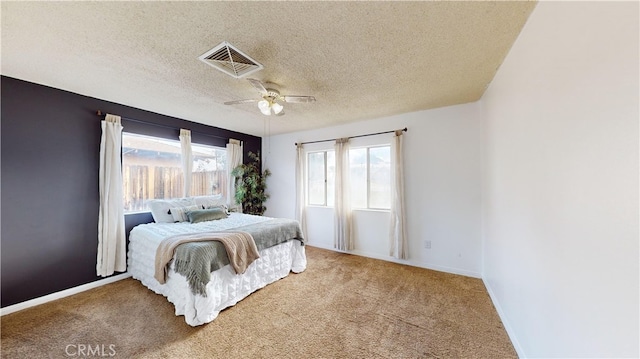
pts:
pixel 64 293
pixel 458 271
pixel 505 322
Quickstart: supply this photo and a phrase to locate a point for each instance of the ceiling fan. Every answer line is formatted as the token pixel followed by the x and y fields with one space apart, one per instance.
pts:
pixel 271 102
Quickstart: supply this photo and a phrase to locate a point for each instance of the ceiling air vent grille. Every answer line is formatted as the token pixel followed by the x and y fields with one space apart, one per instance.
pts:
pixel 228 59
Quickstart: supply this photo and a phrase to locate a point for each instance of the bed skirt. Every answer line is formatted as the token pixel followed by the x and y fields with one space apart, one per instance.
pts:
pixel 226 288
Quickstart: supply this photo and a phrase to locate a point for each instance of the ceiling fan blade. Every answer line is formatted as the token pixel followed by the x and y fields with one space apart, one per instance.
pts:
pixel 258 85
pixel 299 99
pixel 240 101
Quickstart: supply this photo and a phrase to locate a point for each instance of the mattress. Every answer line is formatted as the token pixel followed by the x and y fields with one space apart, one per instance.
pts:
pixel 225 288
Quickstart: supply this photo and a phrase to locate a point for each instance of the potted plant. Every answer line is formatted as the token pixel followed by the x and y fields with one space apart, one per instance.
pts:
pixel 250 185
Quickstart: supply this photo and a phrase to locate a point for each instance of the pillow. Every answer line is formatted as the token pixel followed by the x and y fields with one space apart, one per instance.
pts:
pixel 179 214
pixel 209 201
pixel 160 208
pixel 222 207
pixel 203 215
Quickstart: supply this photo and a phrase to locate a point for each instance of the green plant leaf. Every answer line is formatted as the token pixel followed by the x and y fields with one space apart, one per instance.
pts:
pixel 251 185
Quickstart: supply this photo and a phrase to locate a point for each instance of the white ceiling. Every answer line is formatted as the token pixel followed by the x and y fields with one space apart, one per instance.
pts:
pixel 361 60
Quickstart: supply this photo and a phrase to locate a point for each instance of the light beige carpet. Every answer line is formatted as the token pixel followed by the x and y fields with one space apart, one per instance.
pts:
pixel 342 306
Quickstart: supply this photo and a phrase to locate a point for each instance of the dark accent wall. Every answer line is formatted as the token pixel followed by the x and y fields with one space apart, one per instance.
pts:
pixel 50 146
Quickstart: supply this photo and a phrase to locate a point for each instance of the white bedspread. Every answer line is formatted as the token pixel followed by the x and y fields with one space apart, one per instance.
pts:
pixel 226 288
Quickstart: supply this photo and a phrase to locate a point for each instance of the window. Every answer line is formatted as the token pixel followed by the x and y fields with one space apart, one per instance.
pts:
pixel 370 176
pixel 320 174
pixel 151 169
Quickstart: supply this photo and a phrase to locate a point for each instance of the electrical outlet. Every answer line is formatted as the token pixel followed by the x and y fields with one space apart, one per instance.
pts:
pixel 427 244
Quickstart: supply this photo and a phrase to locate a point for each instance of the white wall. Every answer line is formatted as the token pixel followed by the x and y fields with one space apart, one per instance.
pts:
pixel 443 181
pixel 560 193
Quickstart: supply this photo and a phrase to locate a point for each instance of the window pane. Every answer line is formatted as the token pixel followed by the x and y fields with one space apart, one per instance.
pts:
pixel 152 169
pixel 331 178
pixel 358 173
pixel 380 177
pixel 315 168
pixel 209 175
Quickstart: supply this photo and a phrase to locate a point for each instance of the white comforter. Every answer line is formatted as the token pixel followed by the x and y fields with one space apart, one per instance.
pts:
pixel 226 288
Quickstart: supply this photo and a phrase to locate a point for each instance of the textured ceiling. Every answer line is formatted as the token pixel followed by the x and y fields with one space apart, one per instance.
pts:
pixel 361 60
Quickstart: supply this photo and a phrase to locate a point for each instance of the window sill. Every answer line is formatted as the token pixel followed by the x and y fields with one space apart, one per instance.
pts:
pixel 371 210
pixel 354 209
pixel 138 212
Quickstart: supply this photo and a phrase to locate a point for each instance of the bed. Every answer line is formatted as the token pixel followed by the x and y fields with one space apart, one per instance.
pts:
pixel 225 288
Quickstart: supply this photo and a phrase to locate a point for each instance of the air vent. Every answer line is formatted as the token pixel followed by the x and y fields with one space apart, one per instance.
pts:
pixel 228 59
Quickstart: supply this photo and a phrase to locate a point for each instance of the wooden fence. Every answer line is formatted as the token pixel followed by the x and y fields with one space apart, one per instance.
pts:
pixel 141 183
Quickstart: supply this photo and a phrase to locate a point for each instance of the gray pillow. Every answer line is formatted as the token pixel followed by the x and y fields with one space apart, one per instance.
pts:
pixel 180 213
pixel 204 215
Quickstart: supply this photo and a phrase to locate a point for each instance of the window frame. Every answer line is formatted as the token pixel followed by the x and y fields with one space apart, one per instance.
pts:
pixel 368 168
pixel 326 180
pixel 325 171
pixel 160 138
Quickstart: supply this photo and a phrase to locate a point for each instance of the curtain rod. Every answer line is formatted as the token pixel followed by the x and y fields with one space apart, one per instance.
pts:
pixel 369 134
pixel 99 113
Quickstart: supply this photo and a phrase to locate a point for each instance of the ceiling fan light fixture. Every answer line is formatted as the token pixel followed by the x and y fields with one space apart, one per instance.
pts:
pixel 265 107
pixel 277 108
pixel 271 102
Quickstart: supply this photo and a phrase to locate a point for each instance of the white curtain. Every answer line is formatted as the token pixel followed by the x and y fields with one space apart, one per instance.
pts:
pixel 398 236
pixel 111 238
pixel 187 160
pixel 234 158
pixel 342 222
pixel 300 192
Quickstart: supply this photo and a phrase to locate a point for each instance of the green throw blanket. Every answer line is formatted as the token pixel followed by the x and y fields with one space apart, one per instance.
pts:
pixel 196 260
